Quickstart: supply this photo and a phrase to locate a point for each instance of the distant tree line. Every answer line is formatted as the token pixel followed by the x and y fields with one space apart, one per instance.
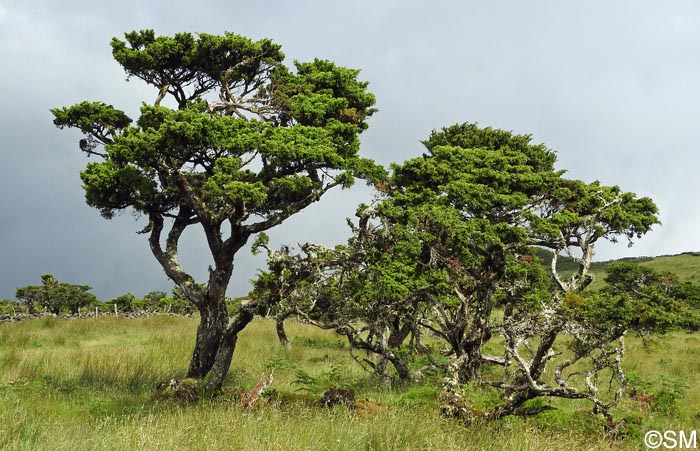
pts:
pixel 56 297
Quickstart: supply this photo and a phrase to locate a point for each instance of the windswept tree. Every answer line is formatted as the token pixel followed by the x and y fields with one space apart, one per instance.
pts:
pixel 234 143
pixel 471 197
pixel 493 197
pixel 461 226
pixel 447 232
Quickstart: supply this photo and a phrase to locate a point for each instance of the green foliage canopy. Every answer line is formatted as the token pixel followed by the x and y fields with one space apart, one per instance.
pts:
pixel 250 143
pixel 265 148
pixel 454 234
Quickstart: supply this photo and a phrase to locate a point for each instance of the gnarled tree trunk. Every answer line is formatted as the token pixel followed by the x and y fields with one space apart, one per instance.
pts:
pixel 227 345
pixel 212 325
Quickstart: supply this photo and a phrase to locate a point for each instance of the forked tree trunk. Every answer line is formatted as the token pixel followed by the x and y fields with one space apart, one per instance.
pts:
pixel 212 325
pixel 216 338
pixel 213 319
pixel 222 361
pixel 479 331
pixel 469 337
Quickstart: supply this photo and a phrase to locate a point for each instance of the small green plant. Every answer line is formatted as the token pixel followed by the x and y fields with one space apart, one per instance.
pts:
pixel 279 363
pixel 316 384
pixel 637 385
pixel 667 398
pixel 664 400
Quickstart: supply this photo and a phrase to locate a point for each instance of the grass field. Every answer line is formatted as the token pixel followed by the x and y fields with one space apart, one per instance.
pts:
pixel 88 384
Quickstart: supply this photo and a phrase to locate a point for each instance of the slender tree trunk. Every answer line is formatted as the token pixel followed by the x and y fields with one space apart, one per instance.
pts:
pixel 222 363
pixel 398 335
pixel 539 363
pixel 512 405
pixel 281 333
pixel 479 331
pixel 470 347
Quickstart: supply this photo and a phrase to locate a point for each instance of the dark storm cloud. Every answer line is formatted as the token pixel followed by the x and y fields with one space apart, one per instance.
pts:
pixel 612 86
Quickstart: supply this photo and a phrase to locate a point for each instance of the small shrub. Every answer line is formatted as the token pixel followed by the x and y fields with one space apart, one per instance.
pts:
pixel 11 307
pixel 667 398
pixel 335 376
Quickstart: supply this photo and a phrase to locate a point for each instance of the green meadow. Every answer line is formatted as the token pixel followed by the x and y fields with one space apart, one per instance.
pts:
pixel 89 384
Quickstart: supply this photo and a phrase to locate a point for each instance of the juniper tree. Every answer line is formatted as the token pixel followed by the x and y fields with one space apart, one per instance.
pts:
pixel 472 213
pixel 471 197
pixel 488 198
pixel 448 231
pixel 574 219
pixel 234 143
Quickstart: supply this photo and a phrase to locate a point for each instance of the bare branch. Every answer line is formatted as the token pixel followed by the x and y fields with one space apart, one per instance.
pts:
pixel 169 259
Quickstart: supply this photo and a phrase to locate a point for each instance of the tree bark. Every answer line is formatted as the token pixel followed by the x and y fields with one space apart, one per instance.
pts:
pixel 213 315
pixel 281 333
pixel 401 367
pixel 222 363
pixel 227 345
pixel 470 368
pixel 477 335
pixel 512 405
pixel 398 335
pixel 212 324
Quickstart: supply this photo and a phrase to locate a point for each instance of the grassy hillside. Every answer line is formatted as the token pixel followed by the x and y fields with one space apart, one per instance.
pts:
pixel 686 265
pixel 88 384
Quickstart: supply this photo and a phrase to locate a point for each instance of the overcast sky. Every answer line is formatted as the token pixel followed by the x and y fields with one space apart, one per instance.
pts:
pixel 612 86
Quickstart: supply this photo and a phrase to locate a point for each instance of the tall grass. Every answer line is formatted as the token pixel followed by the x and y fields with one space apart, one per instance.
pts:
pixel 89 385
